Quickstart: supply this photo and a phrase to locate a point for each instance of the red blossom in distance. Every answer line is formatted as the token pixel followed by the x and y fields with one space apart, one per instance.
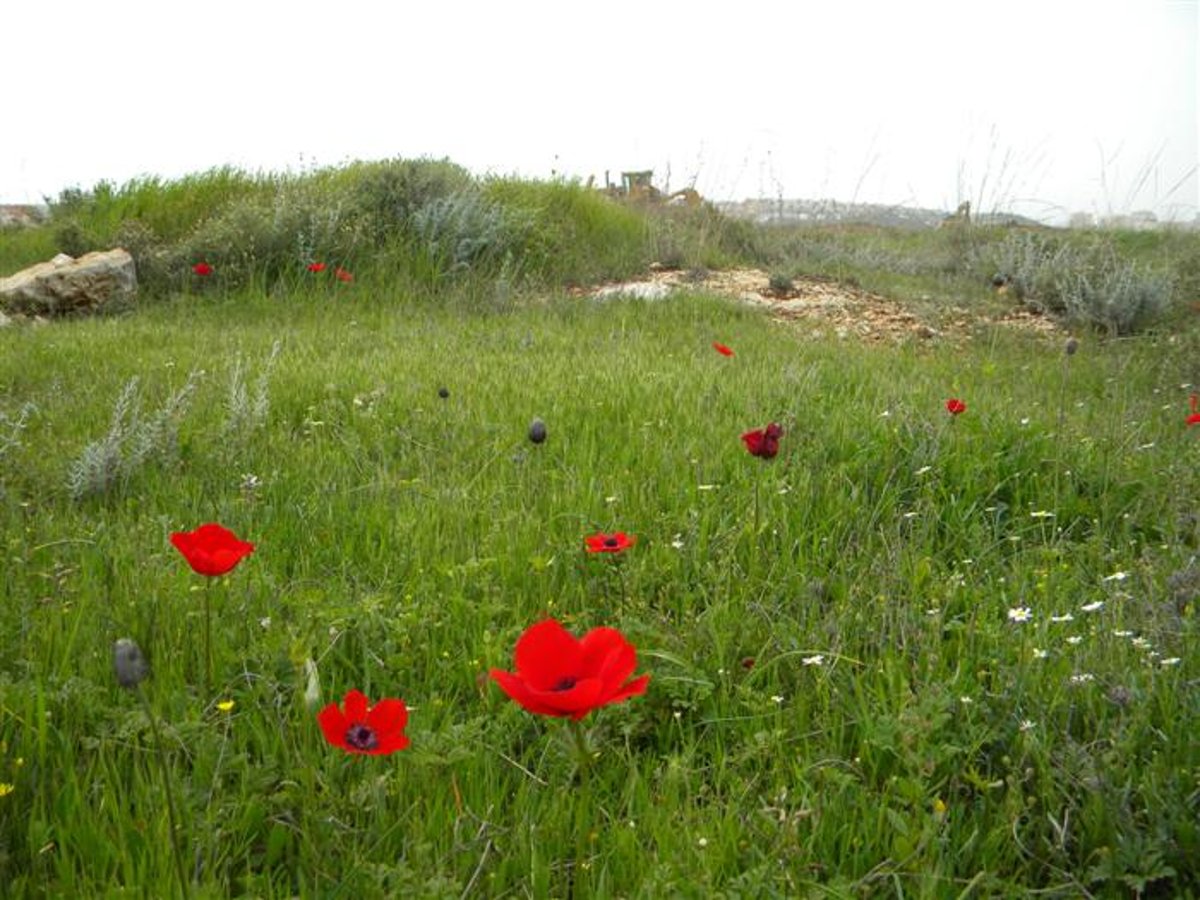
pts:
pixel 316 267
pixel 955 407
pixel 763 442
pixel 202 269
pixel 617 542
pixel 358 727
pixel 342 275
pixel 211 549
pixel 559 675
pixel 722 349
pixel 1194 418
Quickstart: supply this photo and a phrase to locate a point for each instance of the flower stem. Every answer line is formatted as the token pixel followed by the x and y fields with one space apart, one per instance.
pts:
pixel 581 748
pixel 160 752
pixel 208 638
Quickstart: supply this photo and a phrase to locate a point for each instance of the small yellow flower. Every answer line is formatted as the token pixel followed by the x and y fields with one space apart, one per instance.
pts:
pixel 6 788
pixel 939 807
pixel 225 705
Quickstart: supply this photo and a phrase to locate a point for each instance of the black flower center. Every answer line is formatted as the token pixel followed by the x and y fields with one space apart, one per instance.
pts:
pixel 360 737
pixel 565 683
pixel 611 542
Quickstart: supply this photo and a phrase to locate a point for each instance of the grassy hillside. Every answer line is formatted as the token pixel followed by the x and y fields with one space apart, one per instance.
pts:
pixel 915 653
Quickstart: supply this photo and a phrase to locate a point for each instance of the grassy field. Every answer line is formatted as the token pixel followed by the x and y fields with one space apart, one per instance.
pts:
pixel 915 654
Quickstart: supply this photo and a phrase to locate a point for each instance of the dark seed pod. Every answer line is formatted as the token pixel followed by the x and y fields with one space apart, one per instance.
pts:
pixel 443 392
pixel 129 664
pixel 1071 346
pixel 537 431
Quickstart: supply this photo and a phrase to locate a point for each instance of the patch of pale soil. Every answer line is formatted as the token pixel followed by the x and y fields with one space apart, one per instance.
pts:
pixel 823 306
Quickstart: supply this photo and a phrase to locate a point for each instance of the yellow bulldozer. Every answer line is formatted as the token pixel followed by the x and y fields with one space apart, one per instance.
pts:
pixel 638 187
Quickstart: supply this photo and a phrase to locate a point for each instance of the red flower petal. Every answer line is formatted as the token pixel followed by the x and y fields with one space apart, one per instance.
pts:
pixel 522 693
pixel 342 275
pixel 355 704
pixel 722 349
pixel 316 267
pixel 763 442
pixel 570 677
pixel 357 727
pixel 334 725
pixel 609 657
pixel 202 269
pixel 1194 419
pixel 211 549
pixel 955 407
pixel 609 543
pixel 635 688
pixel 546 654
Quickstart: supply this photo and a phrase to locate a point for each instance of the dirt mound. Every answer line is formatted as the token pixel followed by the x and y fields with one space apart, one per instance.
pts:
pixel 823 306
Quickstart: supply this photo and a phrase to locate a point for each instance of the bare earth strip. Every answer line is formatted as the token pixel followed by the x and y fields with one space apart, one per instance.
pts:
pixel 824 306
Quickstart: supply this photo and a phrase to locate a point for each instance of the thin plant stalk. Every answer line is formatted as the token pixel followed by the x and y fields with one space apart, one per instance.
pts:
pixel 208 638
pixel 160 752
pixel 579 739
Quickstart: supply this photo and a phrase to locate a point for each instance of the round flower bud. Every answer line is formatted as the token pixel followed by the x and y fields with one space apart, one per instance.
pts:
pixel 537 431
pixel 129 664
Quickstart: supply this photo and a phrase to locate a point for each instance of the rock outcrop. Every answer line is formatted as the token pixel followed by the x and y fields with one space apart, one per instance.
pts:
pixel 65 286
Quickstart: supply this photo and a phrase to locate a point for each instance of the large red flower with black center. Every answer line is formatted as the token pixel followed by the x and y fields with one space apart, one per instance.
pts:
pixel 557 675
pixel 358 727
pixel 763 442
pixel 617 542
pixel 211 549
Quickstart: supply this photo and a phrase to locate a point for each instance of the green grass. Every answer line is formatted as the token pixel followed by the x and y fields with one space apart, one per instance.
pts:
pixel 405 541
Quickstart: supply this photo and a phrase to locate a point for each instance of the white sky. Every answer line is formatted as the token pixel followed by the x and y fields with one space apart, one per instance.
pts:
pixel 1041 107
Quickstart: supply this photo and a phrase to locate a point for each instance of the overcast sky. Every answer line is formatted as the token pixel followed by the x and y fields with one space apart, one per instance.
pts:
pixel 1041 107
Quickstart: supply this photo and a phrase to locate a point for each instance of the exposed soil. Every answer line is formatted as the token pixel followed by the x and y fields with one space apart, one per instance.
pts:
pixel 823 307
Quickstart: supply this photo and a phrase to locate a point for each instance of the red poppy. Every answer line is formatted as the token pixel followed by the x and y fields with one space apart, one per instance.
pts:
pixel 316 267
pixel 358 727
pixel 1194 402
pixel 202 269
pixel 342 275
pixel 722 349
pixel 955 407
pixel 609 543
pixel 764 442
pixel 211 549
pixel 557 675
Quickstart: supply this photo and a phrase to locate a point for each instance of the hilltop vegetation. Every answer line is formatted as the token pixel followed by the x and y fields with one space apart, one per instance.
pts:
pixel 432 226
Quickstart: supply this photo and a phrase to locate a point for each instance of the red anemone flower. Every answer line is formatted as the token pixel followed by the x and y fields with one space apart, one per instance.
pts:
pixel 202 269
pixel 316 267
pixel 1194 418
pixel 955 407
pixel 558 675
pixel 616 542
pixel 342 275
pixel 358 727
pixel 722 349
pixel 211 549
pixel 763 442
